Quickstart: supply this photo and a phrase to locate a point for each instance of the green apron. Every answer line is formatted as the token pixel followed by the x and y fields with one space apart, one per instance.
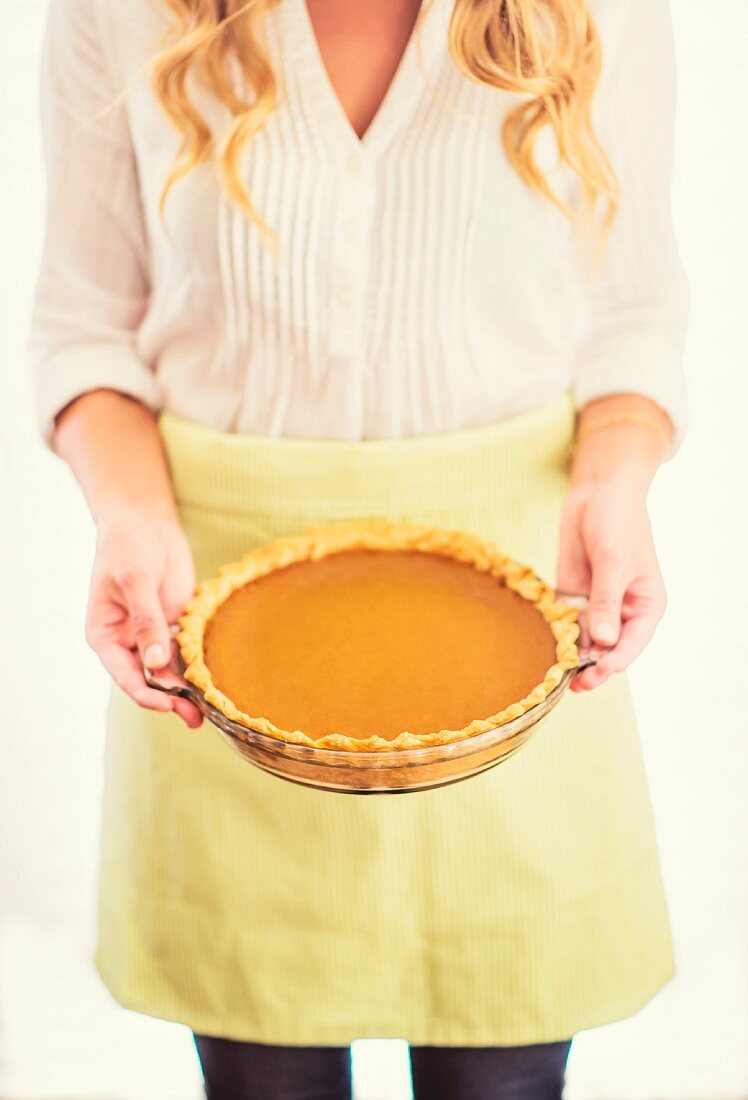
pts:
pixel 519 906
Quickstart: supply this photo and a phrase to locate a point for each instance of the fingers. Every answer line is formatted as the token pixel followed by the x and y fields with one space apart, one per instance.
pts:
pixel 608 552
pixel 636 633
pixel 147 617
pixel 125 669
pixel 607 591
pixel 188 712
pixel 126 622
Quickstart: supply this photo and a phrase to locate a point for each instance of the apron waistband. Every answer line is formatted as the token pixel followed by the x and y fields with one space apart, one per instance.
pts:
pixel 230 471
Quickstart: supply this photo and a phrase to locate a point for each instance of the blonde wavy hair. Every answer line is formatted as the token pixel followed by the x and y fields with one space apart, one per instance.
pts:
pixel 548 51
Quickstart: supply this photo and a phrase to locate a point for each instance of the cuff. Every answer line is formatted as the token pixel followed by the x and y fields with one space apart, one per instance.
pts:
pixel 643 366
pixel 77 370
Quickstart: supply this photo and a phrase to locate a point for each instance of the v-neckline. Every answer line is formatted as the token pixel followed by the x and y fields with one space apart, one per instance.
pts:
pixel 417 58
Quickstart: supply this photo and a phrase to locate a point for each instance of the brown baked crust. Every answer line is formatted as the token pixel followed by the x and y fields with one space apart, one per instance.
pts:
pixel 374 534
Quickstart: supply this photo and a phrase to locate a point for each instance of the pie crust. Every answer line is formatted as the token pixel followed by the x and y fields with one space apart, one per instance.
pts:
pixel 374 534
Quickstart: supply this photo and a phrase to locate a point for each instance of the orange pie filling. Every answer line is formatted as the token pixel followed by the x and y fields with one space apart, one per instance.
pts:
pixel 363 642
pixel 376 634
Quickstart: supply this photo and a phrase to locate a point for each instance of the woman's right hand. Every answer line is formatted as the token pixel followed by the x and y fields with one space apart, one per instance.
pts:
pixel 143 575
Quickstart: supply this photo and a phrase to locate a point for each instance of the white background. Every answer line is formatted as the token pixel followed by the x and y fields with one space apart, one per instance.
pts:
pixel 61 1035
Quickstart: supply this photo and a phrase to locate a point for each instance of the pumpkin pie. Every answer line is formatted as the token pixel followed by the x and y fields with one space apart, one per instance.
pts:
pixel 374 634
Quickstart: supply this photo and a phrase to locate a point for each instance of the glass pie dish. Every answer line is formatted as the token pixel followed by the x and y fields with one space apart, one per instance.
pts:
pixel 382 771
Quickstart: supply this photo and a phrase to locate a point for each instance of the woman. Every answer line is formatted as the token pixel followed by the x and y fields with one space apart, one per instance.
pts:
pixel 315 259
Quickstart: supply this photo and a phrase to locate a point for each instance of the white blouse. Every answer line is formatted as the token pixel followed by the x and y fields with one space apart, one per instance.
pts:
pixel 422 287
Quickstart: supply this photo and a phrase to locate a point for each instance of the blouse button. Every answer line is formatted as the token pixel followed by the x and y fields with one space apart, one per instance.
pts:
pixel 344 297
pixel 354 162
pixel 350 228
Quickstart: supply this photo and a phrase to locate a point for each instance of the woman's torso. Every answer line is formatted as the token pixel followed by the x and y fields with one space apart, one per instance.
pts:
pixel 422 288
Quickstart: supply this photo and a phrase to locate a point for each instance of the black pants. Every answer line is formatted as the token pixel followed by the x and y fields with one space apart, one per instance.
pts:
pixel 258 1071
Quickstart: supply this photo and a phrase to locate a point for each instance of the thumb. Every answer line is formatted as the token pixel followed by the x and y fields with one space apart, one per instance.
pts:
pixel 606 598
pixel 147 618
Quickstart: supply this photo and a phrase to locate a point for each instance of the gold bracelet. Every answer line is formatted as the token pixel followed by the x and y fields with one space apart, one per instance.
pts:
pixel 621 418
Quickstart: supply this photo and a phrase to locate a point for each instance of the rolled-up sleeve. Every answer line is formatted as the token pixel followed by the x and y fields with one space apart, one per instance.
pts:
pixel 637 306
pixel 92 285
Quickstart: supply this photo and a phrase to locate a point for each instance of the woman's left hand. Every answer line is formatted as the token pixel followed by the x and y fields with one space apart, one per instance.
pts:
pixel 607 551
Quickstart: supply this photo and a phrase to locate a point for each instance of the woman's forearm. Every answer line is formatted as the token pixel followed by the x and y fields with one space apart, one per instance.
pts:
pixel 143 571
pixel 113 446
pixel 622 451
pixel 606 546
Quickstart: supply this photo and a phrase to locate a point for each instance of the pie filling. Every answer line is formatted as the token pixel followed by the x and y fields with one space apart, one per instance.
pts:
pixel 364 642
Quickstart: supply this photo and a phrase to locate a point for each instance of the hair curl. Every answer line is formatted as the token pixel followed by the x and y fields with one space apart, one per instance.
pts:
pixel 547 51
